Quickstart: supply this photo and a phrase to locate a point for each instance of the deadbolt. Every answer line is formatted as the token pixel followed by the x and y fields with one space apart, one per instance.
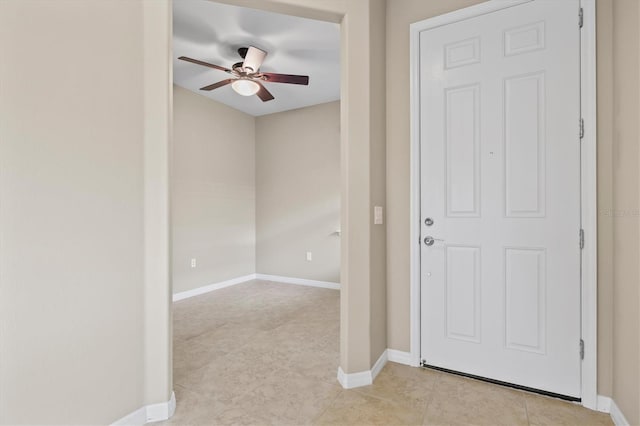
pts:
pixel 428 221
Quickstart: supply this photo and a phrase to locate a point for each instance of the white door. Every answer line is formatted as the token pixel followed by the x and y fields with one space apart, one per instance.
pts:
pixel 500 181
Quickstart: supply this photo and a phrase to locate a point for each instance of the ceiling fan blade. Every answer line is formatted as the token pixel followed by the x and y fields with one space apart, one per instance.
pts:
pixel 218 84
pixel 263 93
pixel 254 58
pixel 286 78
pixel 206 64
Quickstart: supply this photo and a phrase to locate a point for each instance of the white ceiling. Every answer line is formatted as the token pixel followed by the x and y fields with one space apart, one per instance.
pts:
pixel 213 32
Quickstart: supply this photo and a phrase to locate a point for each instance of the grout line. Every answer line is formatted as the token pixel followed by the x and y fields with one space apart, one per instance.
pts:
pixel 526 409
pixel 434 389
pixel 329 405
pixel 360 390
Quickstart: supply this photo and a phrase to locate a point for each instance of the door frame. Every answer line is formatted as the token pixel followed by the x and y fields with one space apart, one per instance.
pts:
pixel 588 182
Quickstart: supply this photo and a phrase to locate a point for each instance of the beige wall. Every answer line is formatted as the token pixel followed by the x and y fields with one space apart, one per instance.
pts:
pixel 362 333
pixel 298 193
pixel 158 91
pixel 604 51
pixel 626 205
pixel 71 211
pixel 254 194
pixel 213 191
pixel 378 177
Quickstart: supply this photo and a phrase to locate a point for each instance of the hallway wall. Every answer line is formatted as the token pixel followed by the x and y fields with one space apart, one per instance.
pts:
pixel 298 193
pixel 254 194
pixel 72 329
pixel 625 166
pixel 213 192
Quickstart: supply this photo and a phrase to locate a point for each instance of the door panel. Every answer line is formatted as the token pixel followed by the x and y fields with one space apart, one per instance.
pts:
pixel 525 299
pixel 524 145
pixel 462 151
pixel 462 283
pixel 500 177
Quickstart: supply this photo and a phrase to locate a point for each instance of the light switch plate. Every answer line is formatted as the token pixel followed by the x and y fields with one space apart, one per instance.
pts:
pixel 377 215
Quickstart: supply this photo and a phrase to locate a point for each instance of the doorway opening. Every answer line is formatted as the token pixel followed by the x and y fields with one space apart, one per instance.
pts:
pixel 256 196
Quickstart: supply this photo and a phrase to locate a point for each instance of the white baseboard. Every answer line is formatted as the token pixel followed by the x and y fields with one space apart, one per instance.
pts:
pixel 354 380
pixel 299 281
pixel 379 365
pixel 239 280
pixel 149 413
pixel 162 411
pixel 603 404
pixel 362 378
pixel 616 415
pixel 211 287
pixel 608 405
pixel 400 357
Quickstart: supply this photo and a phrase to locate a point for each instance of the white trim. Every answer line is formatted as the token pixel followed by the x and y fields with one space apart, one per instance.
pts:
pixel 354 380
pixel 149 413
pixel 589 271
pixel 400 357
pixel 362 378
pixel 379 365
pixel 589 207
pixel 463 14
pixel 604 404
pixel 211 287
pixel 616 415
pixel 414 202
pixel 298 281
pixel 161 411
pixel 239 280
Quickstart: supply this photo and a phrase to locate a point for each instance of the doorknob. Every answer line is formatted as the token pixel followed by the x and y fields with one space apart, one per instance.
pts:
pixel 429 240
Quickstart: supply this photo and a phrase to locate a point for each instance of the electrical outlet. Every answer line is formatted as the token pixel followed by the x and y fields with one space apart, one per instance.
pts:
pixel 193 263
pixel 309 256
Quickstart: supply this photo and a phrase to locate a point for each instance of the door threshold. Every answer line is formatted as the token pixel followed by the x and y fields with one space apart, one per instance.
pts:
pixel 506 384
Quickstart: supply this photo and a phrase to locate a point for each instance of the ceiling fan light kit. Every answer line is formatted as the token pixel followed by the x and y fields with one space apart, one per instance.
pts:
pixel 245 87
pixel 248 78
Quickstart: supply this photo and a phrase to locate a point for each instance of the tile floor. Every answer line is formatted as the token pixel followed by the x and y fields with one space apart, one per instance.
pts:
pixel 264 353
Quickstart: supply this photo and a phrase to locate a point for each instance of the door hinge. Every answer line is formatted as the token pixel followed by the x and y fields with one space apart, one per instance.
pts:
pixel 581 128
pixel 581 239
pixel 581 18
pixel 581 349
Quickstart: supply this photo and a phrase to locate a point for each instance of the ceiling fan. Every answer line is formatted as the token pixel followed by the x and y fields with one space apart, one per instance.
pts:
pixel 248 79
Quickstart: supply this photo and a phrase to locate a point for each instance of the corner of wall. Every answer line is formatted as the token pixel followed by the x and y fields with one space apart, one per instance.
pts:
pixel 157 78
